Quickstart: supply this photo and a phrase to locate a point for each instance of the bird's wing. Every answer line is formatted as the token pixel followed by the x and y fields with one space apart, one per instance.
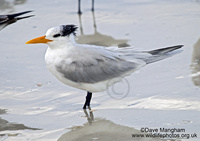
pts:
pixel 148 56
pixel 96 64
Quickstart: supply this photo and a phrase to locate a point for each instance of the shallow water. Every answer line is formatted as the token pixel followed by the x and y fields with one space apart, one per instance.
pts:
pixel 161 95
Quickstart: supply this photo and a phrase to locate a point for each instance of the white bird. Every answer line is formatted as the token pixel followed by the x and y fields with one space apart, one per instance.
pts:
pixel 89 67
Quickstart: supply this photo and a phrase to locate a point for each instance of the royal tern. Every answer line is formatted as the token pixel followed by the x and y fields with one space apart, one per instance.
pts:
pixel 89 67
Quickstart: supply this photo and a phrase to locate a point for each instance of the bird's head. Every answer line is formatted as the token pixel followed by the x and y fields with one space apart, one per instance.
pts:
pixel 56 34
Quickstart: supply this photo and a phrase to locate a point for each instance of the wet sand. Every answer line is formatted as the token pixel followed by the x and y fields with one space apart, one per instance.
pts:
pixel 161 95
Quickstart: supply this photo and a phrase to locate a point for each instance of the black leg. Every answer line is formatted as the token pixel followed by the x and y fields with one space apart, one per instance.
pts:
pixel 92 5
pixel 88 99
pixel 79 7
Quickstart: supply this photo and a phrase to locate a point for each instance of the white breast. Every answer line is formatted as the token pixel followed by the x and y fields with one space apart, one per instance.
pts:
pixel 54 57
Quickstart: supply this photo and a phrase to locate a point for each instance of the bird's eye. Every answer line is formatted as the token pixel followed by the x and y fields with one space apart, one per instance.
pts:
pixel 56 35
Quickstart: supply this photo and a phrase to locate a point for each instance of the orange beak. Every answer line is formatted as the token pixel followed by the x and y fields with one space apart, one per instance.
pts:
pixel 41 39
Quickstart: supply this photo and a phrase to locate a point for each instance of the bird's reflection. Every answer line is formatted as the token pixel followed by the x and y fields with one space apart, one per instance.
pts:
pixel 97 38
pixel 5 125
pixel 12 18
pixel 90 116
pixel 195 66
pixel 103 130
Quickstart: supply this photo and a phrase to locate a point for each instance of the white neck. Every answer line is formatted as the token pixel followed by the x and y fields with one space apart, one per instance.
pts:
pixel 72 38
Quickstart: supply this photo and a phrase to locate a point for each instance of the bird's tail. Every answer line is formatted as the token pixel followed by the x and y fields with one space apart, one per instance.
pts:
pixel 162 53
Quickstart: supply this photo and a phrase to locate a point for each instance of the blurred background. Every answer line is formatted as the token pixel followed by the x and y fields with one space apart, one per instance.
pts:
pixel 35 106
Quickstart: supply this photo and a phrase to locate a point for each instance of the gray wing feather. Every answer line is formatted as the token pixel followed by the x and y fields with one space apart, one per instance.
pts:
pixel 92 64
pixel 96 66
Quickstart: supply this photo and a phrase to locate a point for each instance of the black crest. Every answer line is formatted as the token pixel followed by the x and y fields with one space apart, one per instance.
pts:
pixel 68 29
